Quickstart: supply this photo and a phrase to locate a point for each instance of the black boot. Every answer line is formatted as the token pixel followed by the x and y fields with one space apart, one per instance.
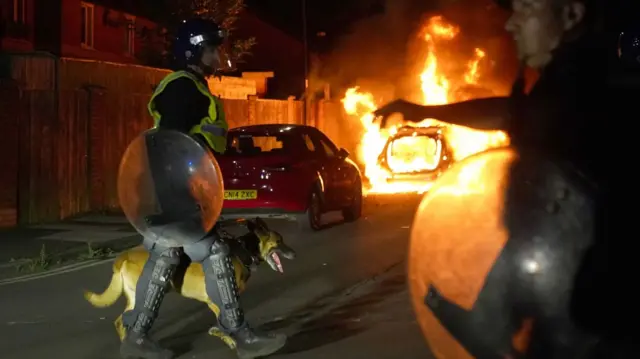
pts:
pixel 232 327
pixel 250 343
pixel 140 346
pixel 150 290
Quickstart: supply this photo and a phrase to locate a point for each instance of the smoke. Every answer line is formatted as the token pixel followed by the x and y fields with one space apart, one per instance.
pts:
pixel 373 52
pixel 381 52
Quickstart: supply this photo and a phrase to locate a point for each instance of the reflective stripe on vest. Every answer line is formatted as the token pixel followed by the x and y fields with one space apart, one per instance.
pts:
pixel 212 128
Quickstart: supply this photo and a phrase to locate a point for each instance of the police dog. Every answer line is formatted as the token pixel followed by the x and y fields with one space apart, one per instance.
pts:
pixel 259 245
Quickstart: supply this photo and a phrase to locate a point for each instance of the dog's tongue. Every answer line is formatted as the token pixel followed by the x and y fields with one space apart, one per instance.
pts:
pixel 276 259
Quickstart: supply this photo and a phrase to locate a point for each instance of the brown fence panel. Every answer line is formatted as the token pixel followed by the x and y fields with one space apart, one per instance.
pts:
pixel 115 121
pixel 271 111
pixel 343 131
pixel 72 153
pixel 39 201
pixel 298 108
pixel 9 144
pixel 236 112
pixel 97 118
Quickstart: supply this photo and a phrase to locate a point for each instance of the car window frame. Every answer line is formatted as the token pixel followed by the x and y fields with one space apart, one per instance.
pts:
pixel 318 137
pixel 298 141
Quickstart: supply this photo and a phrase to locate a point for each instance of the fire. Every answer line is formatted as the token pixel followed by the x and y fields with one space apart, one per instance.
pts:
pixel 437 89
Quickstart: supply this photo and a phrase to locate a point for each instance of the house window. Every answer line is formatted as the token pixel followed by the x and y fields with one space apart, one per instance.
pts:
pixel 19 11
pixel 86 25
pixel 130 35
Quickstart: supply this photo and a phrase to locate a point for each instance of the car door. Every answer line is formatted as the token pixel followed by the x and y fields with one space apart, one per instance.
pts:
pixel 333 169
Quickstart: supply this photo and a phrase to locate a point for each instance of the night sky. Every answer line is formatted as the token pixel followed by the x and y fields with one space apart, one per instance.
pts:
pixel 326 19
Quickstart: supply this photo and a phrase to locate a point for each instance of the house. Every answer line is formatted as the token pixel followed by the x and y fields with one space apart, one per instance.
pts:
pixel 113 31
pixel 91 30
pixel 275 51
pixel 74 28
pixel 16 25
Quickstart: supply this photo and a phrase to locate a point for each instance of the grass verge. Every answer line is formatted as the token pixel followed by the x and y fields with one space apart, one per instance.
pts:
pixel 46 260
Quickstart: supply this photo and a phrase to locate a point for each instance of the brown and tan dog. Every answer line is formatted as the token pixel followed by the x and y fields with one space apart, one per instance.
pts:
pixel 260 245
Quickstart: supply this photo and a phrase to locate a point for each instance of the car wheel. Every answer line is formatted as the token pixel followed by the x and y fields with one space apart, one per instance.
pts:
pixel 354 211
pixel 311 219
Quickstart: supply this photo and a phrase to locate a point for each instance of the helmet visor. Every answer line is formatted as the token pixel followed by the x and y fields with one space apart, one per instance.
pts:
pixel 219 44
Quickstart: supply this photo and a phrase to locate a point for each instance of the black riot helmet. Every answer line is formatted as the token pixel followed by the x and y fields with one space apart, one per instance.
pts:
pixel 194 37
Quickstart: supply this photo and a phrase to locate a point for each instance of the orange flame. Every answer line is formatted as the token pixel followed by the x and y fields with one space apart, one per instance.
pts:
pixel 436 90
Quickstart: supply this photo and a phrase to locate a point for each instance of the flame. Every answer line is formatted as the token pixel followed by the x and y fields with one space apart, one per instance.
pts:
pixel 436 87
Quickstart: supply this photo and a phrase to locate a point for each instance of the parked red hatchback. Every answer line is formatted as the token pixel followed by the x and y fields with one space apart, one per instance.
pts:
pixel 288 171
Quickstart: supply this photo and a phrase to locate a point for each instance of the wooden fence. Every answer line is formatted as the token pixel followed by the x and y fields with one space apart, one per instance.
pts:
pixel 61 149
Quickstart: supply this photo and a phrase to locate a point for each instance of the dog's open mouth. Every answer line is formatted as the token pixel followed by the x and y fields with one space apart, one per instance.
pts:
pixel 276 261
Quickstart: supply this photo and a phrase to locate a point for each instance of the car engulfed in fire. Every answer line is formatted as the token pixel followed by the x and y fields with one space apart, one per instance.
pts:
pixel 416 155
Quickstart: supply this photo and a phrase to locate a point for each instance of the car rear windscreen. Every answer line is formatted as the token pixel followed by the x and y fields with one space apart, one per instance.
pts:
pixel 245 144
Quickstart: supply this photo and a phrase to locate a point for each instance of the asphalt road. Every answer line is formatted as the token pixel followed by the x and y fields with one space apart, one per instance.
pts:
pixel 343 297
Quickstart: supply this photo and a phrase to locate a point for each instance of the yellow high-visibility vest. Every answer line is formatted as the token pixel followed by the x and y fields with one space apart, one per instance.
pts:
pixel 213 128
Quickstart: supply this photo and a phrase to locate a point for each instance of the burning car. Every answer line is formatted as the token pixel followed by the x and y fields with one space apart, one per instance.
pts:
pixel 399 159
pixel 416 154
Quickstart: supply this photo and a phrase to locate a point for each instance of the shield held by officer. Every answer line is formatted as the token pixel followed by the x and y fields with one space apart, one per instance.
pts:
pixel 496 247
pixel 170 187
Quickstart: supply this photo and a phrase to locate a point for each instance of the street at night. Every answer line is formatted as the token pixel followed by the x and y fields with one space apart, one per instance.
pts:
pixel 446 173
pixel 344 296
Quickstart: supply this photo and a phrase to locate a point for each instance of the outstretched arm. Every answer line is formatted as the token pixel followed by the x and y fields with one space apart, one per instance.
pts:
pixel 483 114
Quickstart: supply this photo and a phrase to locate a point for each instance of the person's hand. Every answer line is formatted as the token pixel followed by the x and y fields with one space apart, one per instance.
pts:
pixel 396 106
pixel 409 110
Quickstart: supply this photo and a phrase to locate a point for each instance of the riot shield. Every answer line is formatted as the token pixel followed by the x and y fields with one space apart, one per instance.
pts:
pixel 170 187
pixel 495 248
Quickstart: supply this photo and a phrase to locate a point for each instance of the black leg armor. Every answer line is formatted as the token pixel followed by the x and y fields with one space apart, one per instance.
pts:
pixel 150 290
pixel 222 287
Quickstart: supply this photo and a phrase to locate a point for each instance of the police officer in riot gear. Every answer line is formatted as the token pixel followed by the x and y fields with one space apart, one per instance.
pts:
pixel 569 307
pixel 182 102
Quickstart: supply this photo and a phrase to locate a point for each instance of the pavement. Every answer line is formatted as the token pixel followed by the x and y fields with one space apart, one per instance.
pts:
pixel 343 297
pixel 24 250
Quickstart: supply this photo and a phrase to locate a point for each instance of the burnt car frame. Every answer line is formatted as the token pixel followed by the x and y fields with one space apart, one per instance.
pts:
pixel 434 135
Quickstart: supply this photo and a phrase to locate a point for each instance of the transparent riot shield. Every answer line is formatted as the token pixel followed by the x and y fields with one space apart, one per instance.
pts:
pixel 170 187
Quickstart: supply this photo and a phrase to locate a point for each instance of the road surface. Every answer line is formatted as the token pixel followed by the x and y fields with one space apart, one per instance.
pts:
pixel 343 297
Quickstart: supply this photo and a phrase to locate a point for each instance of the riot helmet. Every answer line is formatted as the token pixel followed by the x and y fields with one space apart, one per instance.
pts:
pixel 202 43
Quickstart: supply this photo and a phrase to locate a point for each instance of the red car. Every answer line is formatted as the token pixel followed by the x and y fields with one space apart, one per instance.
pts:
pixel 288 171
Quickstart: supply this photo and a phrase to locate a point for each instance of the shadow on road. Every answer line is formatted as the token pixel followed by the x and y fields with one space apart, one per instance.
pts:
pixel 325 322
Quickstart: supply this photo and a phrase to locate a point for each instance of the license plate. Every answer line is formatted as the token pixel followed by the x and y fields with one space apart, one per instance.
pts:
pixel 242 194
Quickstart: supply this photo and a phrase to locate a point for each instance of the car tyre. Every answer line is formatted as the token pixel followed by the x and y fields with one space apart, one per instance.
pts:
pixel 311 220
pixel 354 211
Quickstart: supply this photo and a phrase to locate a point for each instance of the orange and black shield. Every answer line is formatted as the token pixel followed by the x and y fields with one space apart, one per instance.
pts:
pixel 495 247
